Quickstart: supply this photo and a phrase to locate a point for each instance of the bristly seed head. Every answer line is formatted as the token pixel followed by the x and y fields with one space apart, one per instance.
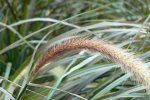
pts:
pixel 129 62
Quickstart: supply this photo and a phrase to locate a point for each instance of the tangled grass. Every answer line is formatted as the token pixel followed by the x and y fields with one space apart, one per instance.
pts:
pixel 28 29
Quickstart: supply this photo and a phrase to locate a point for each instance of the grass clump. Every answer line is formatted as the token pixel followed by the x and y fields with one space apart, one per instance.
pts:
pixel 29 29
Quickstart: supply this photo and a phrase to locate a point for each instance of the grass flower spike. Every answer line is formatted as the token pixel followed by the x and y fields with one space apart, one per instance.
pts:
pixel 129 63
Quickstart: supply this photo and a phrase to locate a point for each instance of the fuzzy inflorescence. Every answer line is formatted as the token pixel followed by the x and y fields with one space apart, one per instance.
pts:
pixel 129 63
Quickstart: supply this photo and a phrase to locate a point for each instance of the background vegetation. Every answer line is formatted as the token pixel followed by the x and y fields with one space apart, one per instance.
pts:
pixel 29 27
